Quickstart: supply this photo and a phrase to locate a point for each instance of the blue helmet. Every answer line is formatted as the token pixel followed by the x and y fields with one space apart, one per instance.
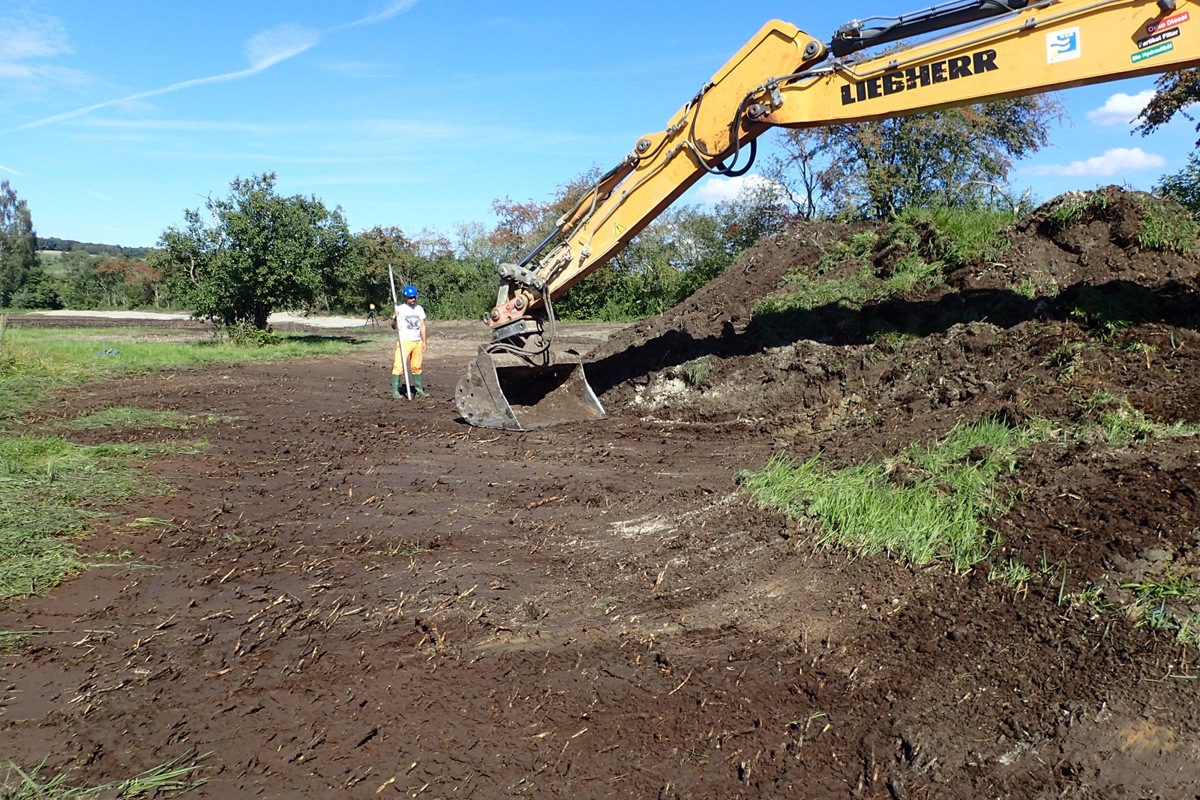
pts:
pixel 409 291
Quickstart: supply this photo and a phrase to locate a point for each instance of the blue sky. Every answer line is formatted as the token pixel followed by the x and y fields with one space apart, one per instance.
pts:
pixel 116 117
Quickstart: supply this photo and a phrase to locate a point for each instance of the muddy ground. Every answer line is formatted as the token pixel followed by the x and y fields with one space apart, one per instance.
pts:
pixel 361 597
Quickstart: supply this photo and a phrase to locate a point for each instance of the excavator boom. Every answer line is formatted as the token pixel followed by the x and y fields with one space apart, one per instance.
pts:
pixel 981 50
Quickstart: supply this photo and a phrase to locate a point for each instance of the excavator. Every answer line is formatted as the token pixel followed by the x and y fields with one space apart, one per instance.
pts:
pixel 973 51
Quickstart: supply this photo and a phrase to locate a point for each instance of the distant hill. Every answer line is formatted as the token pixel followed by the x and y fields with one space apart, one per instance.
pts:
pixel 54 245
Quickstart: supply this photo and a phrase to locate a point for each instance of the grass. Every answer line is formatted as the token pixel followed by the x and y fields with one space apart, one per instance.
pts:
pixel 914 253
pixel 962 236
pixel 34 361
pixel 928 504
pixel 1164 227
pixel 1068 213
pixel 1167 227
pixel 1011 571
pixel 1169 587
pixel 1150 606
pixel 1158 603
pixel 175 777
pixel 14 640
pixel 130 418
pixel 1113 419
pixel 697 373
pixel 932 504
pixel 50 491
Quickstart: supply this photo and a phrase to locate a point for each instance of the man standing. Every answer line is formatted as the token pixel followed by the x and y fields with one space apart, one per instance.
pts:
pixel 411 344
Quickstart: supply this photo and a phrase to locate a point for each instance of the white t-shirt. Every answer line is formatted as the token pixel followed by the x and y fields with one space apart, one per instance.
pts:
pixel 408 321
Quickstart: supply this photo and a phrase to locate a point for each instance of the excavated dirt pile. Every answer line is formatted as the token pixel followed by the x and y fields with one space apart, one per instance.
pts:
pixel 345 595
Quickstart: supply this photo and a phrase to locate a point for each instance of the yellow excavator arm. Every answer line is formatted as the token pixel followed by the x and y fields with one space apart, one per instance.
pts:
pixel 783 77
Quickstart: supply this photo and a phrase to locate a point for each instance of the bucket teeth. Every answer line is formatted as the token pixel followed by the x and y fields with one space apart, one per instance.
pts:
pixel 521 398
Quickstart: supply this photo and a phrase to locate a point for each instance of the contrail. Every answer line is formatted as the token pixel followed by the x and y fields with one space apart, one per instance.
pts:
pixel 393 8
pixel 263 50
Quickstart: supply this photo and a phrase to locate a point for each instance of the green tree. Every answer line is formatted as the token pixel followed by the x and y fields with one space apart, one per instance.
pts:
pixel 1184 186
pixel 18 245
pixel 37 291
pixel 797 169
pixel 1174 95
pixel 761 208
pixel 263 253
pixel 1175 92
pixel 379 248
pixel 938 158
pixel 78 283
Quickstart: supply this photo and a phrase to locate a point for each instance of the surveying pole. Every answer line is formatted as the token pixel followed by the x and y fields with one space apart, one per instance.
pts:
pixel 399 338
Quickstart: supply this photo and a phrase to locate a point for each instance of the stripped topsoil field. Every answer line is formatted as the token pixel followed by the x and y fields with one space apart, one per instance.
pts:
pixel 361 597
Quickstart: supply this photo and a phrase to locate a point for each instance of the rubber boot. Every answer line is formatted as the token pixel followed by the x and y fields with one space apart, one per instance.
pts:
pixel 419 385
pixel 396 387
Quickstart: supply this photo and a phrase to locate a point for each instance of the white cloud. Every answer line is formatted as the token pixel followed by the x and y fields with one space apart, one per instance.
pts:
pixel 1120 108
pixel 1118 159
pixel 720 189
pixel 32 38
pixel 23 42
pixel 7 169
pixel 279 44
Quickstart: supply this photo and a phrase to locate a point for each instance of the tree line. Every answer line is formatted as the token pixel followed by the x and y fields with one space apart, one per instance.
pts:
pixel 52 244
pixel 254 251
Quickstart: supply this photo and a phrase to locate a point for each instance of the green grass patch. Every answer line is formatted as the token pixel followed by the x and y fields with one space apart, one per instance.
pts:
pixel 1167 227
pixel 697 373
pixel 1163 227
pixel 932 504
pixel 1150 606
pixel 35 361
pixel 1069 212
pixel 131 418
pixel 913 255
pixel 856 247
pixel 1011 571
pixel 929 504
pixel 1113 420
pixel 959 236
pixel 14 640
pixel 50 490
pixel 1160 603
pixel 1169 587
pixel 804 293
pixel 173 778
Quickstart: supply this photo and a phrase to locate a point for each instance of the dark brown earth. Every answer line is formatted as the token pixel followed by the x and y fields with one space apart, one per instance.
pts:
pixel 361 597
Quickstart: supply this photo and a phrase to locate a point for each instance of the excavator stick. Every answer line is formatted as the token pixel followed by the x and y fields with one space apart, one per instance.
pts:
pixel 524 397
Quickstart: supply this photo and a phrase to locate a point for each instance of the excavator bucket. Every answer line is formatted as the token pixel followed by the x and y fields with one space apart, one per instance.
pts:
pixel 521 398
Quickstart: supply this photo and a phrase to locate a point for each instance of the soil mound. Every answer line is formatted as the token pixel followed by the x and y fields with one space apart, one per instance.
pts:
pixel 1075 281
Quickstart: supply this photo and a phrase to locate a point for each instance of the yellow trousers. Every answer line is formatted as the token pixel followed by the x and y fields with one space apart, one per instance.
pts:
pixel 412 352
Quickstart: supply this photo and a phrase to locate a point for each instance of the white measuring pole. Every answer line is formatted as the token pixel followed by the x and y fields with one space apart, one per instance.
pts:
pixel 399 338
